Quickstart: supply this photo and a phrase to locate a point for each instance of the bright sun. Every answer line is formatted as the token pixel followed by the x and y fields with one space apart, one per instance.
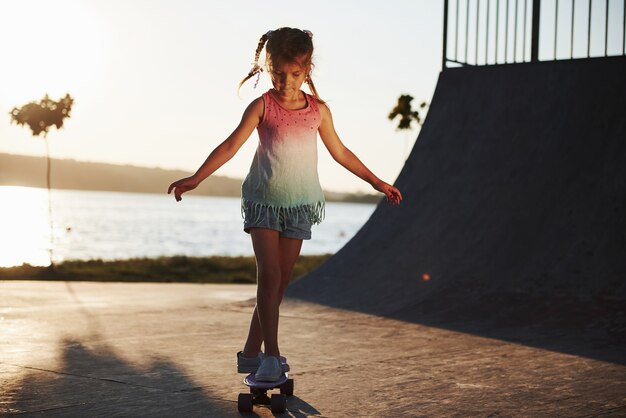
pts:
pixel 53 47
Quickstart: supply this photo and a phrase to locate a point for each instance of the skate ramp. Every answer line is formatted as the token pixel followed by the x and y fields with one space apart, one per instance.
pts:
pixel 514 206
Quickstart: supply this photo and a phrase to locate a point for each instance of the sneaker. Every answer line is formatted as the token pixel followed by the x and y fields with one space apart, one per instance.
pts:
pixel 251 364
pixel 283 362
pixel 269 371
pixel 248 364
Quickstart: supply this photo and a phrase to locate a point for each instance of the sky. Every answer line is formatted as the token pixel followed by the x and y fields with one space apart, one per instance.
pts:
pixel 155 81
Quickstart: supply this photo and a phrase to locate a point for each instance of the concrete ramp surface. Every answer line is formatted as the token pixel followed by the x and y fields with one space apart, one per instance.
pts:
pixel 514 209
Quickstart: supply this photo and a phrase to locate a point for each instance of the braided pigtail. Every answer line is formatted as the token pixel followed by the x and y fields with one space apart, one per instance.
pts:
pixel 309 82
pixel 256 68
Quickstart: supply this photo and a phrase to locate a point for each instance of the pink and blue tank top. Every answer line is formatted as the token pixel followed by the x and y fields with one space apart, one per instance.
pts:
pixel 283 176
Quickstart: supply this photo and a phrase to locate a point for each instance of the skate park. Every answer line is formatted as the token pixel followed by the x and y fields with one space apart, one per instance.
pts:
pixel 495 289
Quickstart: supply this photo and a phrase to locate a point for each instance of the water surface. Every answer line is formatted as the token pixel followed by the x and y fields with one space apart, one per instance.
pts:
pixel 112 225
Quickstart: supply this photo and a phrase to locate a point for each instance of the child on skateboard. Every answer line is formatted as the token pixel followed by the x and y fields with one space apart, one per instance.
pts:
pixel 281 195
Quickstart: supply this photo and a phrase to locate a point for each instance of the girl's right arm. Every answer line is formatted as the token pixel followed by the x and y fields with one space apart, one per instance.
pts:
pixel 251 118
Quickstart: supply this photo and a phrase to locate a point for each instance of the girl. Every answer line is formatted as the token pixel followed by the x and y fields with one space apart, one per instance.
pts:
pixel 281 195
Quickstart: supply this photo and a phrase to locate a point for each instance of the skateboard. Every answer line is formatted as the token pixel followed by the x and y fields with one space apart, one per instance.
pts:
pixel 258 394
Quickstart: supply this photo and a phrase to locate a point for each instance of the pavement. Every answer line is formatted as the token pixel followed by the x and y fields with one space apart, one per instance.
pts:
pixel 81 349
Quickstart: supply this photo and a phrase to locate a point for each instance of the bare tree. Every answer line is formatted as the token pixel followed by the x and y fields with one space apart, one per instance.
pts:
pixel 40 117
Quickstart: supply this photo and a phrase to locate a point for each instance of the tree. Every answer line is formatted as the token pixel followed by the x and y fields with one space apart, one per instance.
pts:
pixel 407 115
pixel 40 117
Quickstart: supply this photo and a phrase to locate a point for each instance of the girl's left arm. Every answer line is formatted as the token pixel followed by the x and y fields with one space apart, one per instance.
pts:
pixel 346 158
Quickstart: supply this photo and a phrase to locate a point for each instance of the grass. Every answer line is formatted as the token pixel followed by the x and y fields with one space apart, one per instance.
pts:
pixel 163 269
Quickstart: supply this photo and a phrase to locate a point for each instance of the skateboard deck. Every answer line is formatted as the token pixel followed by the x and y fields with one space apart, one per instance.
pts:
pixel 258 393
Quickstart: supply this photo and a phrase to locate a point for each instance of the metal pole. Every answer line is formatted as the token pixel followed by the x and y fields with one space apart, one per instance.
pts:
pixel 515 35
pixel 445 35
pixel 477 25
pixel 589 31
pixel 525 31
pixel 456 33
pixel 466 28
pixel 506 34
pixel 487 36
pixel 498 26
pixel 571 46
pixel 534 47
pixel 606 27
pixel 556 25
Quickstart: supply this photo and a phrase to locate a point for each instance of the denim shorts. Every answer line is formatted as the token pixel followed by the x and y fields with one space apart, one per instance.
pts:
pixel 294 223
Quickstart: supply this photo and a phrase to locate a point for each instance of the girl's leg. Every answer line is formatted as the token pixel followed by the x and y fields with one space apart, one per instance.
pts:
pixel 266 251
pixel 288 252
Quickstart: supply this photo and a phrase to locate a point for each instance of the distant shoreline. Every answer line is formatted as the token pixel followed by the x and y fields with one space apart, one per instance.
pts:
pixel 27 171
pixel 176 269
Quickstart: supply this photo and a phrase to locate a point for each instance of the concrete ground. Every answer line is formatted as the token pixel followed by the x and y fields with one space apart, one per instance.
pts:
pixel 94 349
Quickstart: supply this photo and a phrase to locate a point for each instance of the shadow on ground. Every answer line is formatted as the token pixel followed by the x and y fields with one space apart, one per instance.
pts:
pixel 95 381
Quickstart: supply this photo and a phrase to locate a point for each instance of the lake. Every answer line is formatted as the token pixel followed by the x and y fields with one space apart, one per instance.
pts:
pixel 112 225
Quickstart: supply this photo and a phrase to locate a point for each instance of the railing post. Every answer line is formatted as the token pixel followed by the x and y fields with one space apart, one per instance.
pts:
pixel 445 35
pixel 534 48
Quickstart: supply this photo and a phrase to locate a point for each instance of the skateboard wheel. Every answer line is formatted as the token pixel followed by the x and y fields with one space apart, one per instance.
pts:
pixel 287 387
pixel 278 403
pixel 244 402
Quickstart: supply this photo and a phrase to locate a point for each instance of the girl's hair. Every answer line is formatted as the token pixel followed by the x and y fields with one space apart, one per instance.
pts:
pixel 284 45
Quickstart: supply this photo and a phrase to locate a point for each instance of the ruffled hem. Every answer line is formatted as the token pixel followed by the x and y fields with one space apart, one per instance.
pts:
pixel 314 212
